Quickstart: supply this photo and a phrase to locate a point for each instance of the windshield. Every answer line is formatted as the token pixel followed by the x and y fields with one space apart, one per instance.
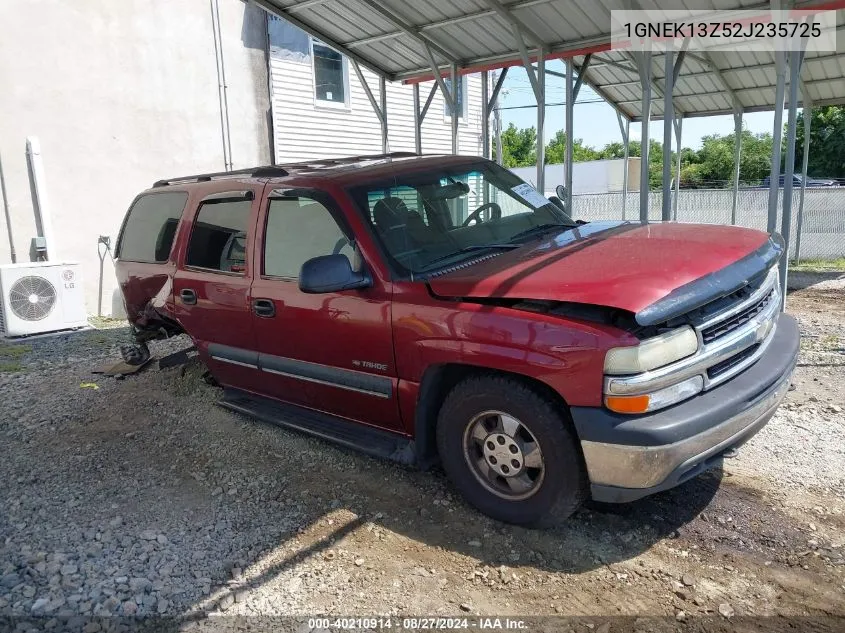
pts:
pixel 438 217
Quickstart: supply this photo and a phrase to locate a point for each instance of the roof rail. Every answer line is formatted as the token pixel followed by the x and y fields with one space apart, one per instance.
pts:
pixel 266 171
pixel 346 160
pixel 277 171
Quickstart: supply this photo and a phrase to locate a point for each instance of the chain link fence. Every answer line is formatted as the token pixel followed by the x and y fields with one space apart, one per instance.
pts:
pixel 822 230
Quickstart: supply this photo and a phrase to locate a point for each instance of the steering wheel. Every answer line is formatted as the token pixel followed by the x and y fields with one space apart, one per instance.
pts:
pixel 476 215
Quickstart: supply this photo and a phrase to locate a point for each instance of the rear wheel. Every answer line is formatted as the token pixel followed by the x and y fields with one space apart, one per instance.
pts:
pixel 510 451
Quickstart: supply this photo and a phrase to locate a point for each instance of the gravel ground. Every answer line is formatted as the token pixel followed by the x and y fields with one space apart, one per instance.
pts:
pixel 141 497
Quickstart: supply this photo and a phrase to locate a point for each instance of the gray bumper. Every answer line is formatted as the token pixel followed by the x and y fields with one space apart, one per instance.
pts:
pixel 631 457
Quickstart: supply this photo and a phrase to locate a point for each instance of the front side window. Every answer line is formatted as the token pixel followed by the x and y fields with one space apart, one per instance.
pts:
pixel 460 96
pixel 331 75
pixel 298 229
pixel 426 220
pixel 150 227
pixel 218 239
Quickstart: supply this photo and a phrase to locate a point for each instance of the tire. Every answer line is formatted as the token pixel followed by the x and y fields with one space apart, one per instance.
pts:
pixel 482 406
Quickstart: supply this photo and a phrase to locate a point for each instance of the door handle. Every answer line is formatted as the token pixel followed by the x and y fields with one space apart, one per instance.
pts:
pixel 264 308
pixel 188 296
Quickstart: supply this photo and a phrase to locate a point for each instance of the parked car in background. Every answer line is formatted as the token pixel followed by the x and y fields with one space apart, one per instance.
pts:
pixel 425 308
pixel 797 179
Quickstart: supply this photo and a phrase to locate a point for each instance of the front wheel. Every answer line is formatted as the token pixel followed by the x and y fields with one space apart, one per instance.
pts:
pixel 510 452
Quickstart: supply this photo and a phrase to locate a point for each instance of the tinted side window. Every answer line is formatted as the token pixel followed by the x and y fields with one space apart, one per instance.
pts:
pixel 151 227
pixel 297 230
pixel 218 240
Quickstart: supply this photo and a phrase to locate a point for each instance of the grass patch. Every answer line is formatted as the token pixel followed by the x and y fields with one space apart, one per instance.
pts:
pixel 11 355
pixel 824 265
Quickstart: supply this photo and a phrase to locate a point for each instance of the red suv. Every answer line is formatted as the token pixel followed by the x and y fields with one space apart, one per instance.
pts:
pixel 439 308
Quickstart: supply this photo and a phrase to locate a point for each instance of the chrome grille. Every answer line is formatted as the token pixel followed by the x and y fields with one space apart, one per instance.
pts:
pixel 710 334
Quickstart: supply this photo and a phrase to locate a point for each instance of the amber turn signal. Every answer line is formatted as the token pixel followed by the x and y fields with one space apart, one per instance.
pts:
pixel 627 404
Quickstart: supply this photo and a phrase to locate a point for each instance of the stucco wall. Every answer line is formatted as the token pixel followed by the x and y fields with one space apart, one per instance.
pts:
pixel 120 94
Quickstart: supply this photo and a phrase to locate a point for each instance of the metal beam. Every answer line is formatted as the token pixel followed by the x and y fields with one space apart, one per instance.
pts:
pixel 495 96
pixel 428 100
pixel 625 131
pixel 506 14
pixel 455 88
pixel 679 128
pixel 583 70
pixel 417 120
pixel 541 124
pixel 808 117
pixel 414 32
pixel 737 157
pixel 485 116
pixel 795 59
pixel 568 159
pixel 447 95
pixel 777 130
pixel 668 124
pixel 380 110
pixel 643 60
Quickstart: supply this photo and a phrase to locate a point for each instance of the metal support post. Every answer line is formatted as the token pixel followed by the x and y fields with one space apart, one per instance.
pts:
pixel 541 122
pixel 668 123
pixel 737 156
pixel 808 117
pixel 625 130
pixel 644 66
pixel 569 158
pixel 455 91
pixel 679 130
pixel 777 129
pixel 485 115
pixel 795 60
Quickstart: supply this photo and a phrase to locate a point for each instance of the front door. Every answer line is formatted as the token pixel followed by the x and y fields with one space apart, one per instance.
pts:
pixel 211 288
pixel 331 352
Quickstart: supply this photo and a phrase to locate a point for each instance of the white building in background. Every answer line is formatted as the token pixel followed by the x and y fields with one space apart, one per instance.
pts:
pixel 593 176
pixel 120 94
pixel 320 108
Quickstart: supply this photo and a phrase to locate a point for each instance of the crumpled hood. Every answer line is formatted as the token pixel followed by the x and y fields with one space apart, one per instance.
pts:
pixel 630 266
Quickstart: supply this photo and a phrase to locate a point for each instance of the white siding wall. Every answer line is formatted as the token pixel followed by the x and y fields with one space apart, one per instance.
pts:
pixel 305 130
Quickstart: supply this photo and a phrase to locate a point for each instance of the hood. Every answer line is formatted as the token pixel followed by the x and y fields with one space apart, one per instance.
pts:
pixel 655 271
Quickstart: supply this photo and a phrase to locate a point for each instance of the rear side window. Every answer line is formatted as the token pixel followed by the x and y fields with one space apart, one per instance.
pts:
pixel 151 227
pixel 218 240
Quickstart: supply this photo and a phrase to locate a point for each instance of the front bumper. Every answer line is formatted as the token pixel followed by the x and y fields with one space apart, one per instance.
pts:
pixel 629 457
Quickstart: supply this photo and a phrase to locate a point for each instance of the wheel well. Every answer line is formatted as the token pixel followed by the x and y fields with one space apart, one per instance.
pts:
pixel 436 384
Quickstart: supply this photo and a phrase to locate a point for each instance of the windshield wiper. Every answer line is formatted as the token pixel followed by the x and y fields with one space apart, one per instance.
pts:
pixel 468 249
pixel 541 228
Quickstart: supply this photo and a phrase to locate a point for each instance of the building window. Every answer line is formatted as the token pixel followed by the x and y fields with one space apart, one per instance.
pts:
pixel 461 96
pixel 331 75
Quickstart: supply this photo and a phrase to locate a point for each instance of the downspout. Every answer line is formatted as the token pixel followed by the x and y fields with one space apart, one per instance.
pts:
pixel 41 205
pixel 8 214
pixel 222 87
pixel 271 122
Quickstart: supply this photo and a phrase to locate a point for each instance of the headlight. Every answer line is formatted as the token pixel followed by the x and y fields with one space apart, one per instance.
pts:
pixel 656 399
pixel 651 353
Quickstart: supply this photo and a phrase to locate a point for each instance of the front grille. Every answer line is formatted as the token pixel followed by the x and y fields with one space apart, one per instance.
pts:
pixel 737 320
pixel 733 361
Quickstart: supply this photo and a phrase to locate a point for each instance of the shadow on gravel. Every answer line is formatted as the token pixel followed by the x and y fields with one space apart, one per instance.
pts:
pixel 802 279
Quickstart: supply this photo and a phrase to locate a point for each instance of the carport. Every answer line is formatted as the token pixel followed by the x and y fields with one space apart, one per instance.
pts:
pixel 441 40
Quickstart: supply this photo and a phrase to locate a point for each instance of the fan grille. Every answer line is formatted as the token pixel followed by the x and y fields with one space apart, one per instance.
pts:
pixel 32 298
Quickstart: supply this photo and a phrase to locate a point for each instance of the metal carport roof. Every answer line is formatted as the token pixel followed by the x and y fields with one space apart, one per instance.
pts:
pixel 390 37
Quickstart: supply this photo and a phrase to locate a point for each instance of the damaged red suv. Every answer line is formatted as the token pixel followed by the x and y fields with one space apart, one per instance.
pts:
pixel 437 308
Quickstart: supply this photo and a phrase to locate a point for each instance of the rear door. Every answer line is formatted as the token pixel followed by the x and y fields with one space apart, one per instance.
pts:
pixel 212 285
pixel 332 352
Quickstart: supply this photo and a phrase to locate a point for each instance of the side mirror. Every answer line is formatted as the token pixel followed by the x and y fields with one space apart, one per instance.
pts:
pixel 331 273
pixel 560 191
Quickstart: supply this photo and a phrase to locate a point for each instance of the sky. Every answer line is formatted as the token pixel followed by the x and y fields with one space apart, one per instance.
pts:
pixel 595 121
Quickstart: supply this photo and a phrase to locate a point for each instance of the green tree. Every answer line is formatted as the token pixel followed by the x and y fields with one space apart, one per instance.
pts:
pixel 713 165
pixel 519 147
pixel 556 150
pixel 827 142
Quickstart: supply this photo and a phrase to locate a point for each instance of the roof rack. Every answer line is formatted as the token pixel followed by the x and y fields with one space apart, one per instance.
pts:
pixel 266 171
pixel 277 171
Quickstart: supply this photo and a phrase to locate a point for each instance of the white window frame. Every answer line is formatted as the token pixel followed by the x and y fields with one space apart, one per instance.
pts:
pixel 323 103
pixel 462 115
